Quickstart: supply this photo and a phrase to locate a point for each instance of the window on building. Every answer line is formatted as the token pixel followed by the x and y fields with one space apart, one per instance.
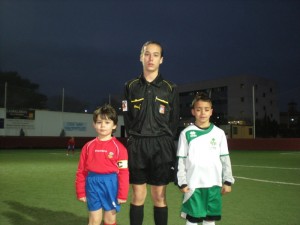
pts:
pixel 1 123
pixel 264 94
pixel 223 89
pixel 271 102
pixel 250 131
pixel 242 85
pixel 242 99
pixel 256 100
pixel 271 90
pixel 234 130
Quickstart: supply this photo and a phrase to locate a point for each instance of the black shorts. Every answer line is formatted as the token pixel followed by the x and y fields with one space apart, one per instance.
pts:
pixel 151 160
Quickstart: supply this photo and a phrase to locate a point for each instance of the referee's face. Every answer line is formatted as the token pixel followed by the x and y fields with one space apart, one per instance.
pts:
pixel 151 58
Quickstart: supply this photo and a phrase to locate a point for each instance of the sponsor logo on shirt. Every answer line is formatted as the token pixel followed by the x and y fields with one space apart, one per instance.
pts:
pixel 100 150
pixel 193 134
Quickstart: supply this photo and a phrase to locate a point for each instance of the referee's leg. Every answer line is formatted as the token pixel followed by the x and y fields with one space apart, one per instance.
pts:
pixel 139 193
pixel 158 194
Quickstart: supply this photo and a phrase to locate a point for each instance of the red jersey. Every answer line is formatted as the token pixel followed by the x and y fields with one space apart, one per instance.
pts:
pixel 71 141
pixel 103 157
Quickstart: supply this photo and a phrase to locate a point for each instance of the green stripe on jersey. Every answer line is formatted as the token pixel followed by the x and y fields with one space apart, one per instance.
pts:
pixel 192 134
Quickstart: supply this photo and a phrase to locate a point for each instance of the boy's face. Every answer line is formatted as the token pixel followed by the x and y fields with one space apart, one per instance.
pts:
pixel 151 58
pixel 104 127
pixel 202 112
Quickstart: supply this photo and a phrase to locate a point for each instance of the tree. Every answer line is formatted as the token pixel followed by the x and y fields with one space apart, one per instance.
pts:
pixel 20 92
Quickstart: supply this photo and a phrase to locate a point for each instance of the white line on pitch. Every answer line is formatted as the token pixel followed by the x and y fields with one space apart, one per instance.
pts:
pixel 268 167
pixel 267 181
pixel 290 153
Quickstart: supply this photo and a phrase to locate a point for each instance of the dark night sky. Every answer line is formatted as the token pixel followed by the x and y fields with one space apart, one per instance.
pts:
pixel 91 47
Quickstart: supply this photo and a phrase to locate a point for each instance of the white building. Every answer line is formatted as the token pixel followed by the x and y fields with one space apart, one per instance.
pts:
pixel 50 123
pixel 233 98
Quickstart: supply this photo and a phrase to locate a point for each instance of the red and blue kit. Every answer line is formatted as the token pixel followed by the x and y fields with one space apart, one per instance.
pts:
pixel 71 143
pixel 103 157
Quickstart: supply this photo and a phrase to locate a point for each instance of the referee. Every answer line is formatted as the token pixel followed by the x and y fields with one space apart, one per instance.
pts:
pixel 151 113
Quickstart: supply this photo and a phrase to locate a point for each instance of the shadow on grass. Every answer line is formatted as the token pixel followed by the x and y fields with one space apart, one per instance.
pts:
pixel 28 215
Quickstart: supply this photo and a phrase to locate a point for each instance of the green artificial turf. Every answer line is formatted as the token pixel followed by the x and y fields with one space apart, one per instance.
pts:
pixel 37 188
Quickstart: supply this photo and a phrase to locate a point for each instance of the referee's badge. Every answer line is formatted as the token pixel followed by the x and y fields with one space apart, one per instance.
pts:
pixel 124 106
pixel 162 109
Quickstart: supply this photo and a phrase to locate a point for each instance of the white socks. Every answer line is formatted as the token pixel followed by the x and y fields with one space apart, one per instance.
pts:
pixel 189 223
pixel 204 223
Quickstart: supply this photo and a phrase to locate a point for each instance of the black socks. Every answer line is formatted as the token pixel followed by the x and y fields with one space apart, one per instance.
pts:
pixel 161 215
pixel 136 214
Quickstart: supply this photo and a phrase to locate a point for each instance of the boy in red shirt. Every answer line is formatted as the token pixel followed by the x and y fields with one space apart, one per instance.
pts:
pixel 102 178
pixel 71 145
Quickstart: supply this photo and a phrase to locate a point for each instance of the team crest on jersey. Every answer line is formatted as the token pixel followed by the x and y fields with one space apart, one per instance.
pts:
pixel 110 155
pixel 213 143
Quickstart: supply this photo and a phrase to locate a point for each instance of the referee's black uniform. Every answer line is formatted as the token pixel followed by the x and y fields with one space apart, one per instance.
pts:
pixel 151 116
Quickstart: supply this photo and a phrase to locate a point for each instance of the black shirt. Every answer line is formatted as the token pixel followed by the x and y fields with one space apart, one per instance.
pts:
pixel 152 107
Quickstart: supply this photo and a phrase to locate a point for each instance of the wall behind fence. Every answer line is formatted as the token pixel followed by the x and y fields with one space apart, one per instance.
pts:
pixel 265 144
pixel 12 142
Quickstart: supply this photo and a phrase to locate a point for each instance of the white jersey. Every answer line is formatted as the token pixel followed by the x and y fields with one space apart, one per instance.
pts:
pixel 200 153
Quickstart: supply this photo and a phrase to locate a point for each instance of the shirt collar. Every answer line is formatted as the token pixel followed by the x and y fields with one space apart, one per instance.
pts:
pixel 155 82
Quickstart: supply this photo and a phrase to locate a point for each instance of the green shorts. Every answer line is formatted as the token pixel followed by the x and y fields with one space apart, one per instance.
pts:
pixel 202 204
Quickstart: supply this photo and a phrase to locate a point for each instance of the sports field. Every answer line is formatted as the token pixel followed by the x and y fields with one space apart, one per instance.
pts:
pixel 37 188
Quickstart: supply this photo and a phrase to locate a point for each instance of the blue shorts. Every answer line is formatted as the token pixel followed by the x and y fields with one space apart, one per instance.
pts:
pixel 102 191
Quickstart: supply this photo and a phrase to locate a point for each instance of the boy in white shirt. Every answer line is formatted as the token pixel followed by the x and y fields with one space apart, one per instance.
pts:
pixel 204 167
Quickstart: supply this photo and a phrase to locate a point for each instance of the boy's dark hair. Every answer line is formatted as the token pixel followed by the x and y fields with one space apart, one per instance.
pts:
pixel 153 42
pixel 202 96
pixel 106 112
